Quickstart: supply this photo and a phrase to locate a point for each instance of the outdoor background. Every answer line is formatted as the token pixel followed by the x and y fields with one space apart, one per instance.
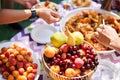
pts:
pixel 7 32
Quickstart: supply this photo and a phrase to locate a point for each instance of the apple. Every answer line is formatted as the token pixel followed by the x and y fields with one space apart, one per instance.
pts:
pixel 79 38
pixel 78 62
pixel 58 39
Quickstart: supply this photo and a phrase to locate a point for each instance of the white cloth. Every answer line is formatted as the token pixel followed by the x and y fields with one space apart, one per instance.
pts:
pixel 107 70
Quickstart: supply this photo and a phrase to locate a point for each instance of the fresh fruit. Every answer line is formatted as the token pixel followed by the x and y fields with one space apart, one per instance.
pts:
pixel 5 74
pixel 21 77
pixel 15 73
pixel 70 39
pixel 72 61
pixel 20 57
pixel 79 38
pixel 64 48
pixel 78 62
pixel 29 69
pixel 10 77
pixel 63 55
pixel 16 63
pixel 58 38
pixel 69 72
pixel 49 51
pixel 31 76
pixel 21 71
pixel 55 68
pixel 78 71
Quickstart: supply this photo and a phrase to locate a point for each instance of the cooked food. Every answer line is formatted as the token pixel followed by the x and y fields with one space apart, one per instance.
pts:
pixel 82 3
pixel 87 21
pixel 49 5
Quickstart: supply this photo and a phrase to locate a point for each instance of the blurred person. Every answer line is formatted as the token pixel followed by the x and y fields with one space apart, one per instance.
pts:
pixel 26 3
pixel 108 36
pixel 9 4
pixel 11 15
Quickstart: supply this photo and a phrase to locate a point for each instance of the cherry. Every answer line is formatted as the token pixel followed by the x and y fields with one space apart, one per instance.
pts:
pixel 75 48
pixel 83 68
pixel 60 52
pixel 72 58
pixel 73 66
pixel 68 55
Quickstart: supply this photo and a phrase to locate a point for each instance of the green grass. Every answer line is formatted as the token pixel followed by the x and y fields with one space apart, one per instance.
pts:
pixel 7 32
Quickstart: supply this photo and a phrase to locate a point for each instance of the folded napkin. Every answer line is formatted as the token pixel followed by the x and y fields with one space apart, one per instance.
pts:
pixel 107 70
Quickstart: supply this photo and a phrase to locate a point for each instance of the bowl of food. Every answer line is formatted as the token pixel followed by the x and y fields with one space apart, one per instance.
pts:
pixel 86 20
pixel 81 3
pixel 17 62
pixel 70 62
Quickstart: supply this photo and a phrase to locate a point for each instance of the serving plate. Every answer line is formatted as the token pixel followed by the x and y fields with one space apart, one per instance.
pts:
pixel 79 10
pixel 35 60
pixel 51 5
pixel 41 33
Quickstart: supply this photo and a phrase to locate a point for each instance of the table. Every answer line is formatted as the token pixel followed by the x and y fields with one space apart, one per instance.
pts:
pixel 24 37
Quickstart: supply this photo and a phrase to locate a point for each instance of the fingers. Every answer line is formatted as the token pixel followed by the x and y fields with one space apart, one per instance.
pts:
pixel 28 5
pixel 99 30
pixel 55 14
pixel 55 17
pixel 96 34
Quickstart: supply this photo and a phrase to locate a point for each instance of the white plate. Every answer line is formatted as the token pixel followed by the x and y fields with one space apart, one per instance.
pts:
pixel 41 33
pixel 78 10
pixel 43 4
pixel 35 60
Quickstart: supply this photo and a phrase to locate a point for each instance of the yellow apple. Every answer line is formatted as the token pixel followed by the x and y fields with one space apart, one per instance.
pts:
pixel 58 39
pixel 79 38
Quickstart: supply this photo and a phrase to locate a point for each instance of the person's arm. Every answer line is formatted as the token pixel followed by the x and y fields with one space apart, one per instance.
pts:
pixel 10 16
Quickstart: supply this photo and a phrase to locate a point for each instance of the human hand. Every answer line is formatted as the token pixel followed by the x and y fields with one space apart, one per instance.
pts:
pixel 106 35
pixel 48 15
pixel 27 3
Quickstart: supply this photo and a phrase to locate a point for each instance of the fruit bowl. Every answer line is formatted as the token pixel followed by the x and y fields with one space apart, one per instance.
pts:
pixel 86 20
pixel 70 62
pixel 17 62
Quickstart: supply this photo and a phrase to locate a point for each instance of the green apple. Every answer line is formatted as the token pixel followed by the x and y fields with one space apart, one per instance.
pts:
pixel 79 38
pixel 58 39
